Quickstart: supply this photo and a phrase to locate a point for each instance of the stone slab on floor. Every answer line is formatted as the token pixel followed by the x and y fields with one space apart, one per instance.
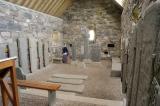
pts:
pixel 72 88
pixel 116 69
pixel 70 76
pixel 66 81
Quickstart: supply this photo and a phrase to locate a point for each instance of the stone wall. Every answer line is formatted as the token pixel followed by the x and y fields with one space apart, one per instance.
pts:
pixel 28 35
pixel 140 46
pixel 103 16
pixel 17 21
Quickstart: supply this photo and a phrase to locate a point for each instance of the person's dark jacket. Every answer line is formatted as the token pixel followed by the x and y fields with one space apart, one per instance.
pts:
pixel 64 50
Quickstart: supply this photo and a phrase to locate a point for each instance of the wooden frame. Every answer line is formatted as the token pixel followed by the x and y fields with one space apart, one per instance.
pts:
pixel 8 66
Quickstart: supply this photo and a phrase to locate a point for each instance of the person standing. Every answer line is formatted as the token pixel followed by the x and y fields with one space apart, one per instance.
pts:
pixel 65 54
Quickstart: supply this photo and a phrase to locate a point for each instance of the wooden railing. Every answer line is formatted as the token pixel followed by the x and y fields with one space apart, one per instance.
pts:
pixel 38 85
pixel 8 66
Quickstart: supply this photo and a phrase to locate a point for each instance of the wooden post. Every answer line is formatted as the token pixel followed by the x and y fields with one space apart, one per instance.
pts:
pixel 14 85
pixel 8 65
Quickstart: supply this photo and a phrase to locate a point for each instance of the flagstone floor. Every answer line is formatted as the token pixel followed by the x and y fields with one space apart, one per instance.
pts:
pixel 99 83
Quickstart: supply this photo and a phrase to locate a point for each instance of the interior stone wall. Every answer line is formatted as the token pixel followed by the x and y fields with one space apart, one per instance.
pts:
pixel 140 40
pixel 30 32
pixel 103 16
pixel 17 21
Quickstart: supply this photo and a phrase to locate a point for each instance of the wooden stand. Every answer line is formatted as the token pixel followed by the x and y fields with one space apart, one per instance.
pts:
pixel 8 66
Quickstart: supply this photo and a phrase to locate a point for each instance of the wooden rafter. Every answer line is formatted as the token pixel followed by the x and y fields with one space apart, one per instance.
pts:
pixel 31 5
pixel 20 2
pixel 51 6
pixel 26 3
pixel 56 6
pixel 60 7
pixel 42 5
pixel 47 5
pixel 67 4
pixel 39 2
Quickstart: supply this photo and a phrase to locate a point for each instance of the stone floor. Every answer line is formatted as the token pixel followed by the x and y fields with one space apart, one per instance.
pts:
pixel 31 100
pixel 99 83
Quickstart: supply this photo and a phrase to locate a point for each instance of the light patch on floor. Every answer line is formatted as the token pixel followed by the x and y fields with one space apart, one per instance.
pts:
pixel 66 80
pixel 70 76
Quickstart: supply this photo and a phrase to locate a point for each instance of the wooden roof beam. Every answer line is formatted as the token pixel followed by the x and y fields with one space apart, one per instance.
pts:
pixel 56 6
pixel 41 6
pixel 51 6
pixel 27 3
pixel 39 2
pixel 20 2
pixel 47 5
pixel 31 5
pixel 67 4
pixel 60 8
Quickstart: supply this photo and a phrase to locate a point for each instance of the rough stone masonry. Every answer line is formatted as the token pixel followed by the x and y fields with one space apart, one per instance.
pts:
pixel 17 21
pixel 103 16
pixel 140 52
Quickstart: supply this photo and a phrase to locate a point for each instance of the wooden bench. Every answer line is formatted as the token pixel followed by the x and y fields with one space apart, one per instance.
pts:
pixel 50 87
pixel 8 66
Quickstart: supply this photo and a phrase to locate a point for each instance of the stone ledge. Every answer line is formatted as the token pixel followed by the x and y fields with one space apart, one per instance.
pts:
pixel 116 67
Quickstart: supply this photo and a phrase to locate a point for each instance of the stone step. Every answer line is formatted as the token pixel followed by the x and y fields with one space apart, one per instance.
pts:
pixel 66 81
pixel 70 76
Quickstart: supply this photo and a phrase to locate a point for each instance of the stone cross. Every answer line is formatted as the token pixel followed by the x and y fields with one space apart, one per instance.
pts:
pixel 85 33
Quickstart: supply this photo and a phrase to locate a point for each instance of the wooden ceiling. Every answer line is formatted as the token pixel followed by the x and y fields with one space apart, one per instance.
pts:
pixel 51 7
